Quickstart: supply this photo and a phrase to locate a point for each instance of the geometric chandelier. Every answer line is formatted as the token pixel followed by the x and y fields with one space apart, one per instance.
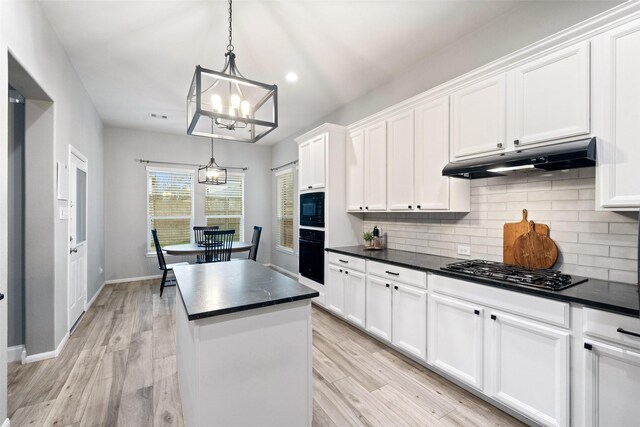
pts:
pixel 211 173
pixel 226 105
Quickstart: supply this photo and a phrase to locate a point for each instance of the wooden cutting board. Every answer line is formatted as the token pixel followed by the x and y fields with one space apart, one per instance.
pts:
pixel 513 230
pixel 535 250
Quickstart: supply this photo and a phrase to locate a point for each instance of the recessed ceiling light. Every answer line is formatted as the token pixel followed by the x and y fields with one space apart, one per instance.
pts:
pixel 292 77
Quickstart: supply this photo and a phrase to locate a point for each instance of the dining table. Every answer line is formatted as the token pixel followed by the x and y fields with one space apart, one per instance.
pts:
pixel 187 249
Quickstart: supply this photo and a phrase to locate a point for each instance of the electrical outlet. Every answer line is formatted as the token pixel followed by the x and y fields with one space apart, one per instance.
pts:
pixel 464 250
pixel 100 270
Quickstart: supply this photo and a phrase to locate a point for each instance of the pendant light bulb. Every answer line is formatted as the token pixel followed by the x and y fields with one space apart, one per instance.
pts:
pixel 235 101
pixel 245 107
pixel 216 102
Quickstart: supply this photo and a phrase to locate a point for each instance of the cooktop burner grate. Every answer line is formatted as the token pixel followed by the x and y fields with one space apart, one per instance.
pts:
pixel 499 272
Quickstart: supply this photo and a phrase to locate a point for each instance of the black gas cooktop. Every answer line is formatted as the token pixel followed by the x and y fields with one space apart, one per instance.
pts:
pixel 504 273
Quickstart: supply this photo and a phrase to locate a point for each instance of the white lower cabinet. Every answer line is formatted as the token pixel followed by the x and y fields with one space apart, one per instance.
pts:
pixel 410 319
pixel 335 290
pixel 354 297
pixel 456 336
pixel 378 318
pixel 612 385
pixel 528 368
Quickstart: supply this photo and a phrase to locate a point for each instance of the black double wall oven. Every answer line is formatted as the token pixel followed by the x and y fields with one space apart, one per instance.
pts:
pixel 311 240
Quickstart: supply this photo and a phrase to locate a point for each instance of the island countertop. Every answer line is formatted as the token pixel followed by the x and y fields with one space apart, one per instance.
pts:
pixel 214 289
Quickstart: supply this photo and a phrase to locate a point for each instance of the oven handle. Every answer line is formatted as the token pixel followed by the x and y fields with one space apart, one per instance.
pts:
pixel 313 242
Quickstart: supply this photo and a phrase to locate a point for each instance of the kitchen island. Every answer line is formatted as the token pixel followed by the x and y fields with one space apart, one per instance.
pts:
pixel 243 341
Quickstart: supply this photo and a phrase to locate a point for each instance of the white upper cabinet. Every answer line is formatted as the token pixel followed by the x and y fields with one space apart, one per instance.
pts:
pixel 616 122
pixel 355 171
pixel 311 155
pixel 478 118
pixel 375 167
pixel 550 96
pixel 400 145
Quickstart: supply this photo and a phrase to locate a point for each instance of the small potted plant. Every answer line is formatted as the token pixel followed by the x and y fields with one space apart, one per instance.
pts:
pixel 367 236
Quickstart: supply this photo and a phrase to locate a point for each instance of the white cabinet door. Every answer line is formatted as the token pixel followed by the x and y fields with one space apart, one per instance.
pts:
pixel 432 154
pixel 612 385
pixel 400 179
pixel 355 171
pixel 318 157
pixel 378 314
pixel 304 159
pixel 410 319
pixel 551 96
pixel 335 290
pixel 355 297
pixel 375 167
pixel 616 83
pixel 529 368
pixel 478 118
pixel 456 339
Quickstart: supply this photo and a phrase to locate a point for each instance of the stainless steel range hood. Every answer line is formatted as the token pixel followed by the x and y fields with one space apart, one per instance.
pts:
pixel 568 155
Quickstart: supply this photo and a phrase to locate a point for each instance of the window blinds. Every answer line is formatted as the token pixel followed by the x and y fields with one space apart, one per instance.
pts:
pixel 224 205
pixel 284 186
pixel 169 206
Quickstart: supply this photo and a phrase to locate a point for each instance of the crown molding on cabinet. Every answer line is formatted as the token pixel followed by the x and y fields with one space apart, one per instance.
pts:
pixel 323 128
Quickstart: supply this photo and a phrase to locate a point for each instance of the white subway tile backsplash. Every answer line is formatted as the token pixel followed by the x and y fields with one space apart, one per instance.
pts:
pixel 597 244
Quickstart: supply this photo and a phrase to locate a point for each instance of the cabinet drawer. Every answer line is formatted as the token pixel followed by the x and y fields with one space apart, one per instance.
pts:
pixel 404 275
pixel 612 327
pixel 545 310
pixel 350 262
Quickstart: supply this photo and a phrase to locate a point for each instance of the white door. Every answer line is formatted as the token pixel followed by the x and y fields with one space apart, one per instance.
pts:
pixel 78 179
pixel 528 368
pixel 400 180
pixel 354 297
pixel 455 335
pixel 612 384
pixel 375 167
pixel 616 85
pixel 432 154
pixel 335 289
pixel 410 319
pixel 378 315
pixel 305 175
pixel 478 118
pixel 318 158
pixel 355 171
pixel 551 96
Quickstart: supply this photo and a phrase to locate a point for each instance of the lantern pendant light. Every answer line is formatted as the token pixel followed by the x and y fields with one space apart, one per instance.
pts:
pixel 226 105
pixel 211 173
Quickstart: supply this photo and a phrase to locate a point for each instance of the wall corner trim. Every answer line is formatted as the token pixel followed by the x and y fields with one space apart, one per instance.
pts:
pixel 95 296
pixel 14 353
pixel 47 354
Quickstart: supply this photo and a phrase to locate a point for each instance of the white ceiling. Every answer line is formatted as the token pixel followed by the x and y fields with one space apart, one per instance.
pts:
pixel 138 57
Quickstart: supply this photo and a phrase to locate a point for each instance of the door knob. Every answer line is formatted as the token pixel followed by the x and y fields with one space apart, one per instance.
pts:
pixel 73 251
pixel 1 297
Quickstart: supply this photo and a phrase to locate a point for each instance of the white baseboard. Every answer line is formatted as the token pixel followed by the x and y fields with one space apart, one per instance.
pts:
pixel 133 279
pixel 282 270
pixel 47 354
pixel 6 423
pixel 93 298
pixel 14 353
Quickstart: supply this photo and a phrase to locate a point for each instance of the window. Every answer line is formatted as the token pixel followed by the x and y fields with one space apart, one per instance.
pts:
pixel 169 206
pixel 224 205
pixel 284 189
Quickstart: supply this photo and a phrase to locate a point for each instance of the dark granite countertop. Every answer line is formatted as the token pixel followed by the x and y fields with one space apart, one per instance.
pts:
pixel 227 287
pixel 615 297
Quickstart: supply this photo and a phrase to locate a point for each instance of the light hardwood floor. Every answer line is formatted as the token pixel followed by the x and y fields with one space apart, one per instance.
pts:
pixel 118 369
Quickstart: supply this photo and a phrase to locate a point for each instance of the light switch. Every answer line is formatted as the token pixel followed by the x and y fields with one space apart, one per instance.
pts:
pixel 64 213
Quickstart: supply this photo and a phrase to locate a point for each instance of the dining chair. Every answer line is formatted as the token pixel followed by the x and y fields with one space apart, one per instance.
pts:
pixel 166 268
pixel 217 247
pixel 198 238
pixel 253 252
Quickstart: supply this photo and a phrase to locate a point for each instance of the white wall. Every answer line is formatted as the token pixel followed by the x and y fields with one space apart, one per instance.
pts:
pixel 25 33
pixel 126 192
pixel 520 27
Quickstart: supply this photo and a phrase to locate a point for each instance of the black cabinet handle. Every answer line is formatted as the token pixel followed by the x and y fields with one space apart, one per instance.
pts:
pixel 340 270
pixel 476 312
pixel 388 285
pixel 409 206
pixel 395 287
pixel 346 272
pixel 310 186
pixel 622 331
pixel 360 207
pixel 342 260
pixel 499 144
pixel 493 317
pixel 588 346
pixel 366 207
pixel 516 142
pixel 418 206
pixel 392 273
pixel 1 297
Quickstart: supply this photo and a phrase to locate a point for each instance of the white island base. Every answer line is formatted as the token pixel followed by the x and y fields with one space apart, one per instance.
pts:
pixel 249 368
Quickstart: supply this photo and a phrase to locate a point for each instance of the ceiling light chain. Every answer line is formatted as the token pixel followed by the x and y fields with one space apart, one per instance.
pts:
pixel 230 45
